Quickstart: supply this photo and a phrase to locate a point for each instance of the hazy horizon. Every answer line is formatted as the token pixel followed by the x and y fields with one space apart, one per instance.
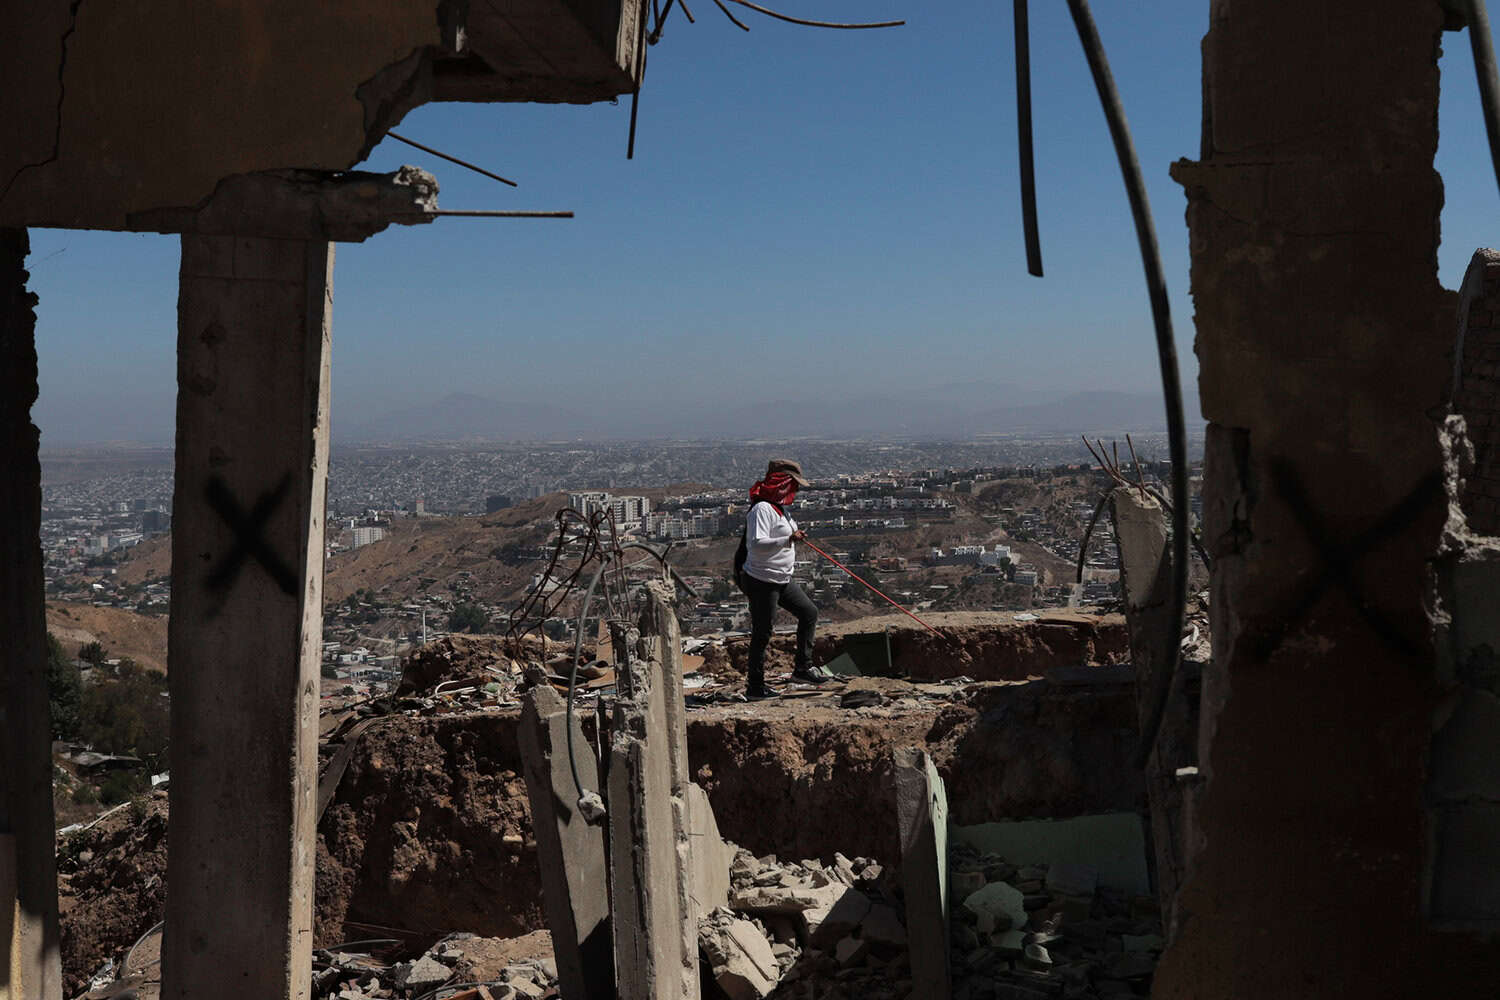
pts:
pixel 933 413
pixel 815 225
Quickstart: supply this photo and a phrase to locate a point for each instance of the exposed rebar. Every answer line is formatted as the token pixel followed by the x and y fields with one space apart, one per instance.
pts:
pixel 807 23
pixel 452 159
pixel 1166 349
pixel 1023 140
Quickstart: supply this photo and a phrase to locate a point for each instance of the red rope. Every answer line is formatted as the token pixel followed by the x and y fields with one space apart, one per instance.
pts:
pixel 862 580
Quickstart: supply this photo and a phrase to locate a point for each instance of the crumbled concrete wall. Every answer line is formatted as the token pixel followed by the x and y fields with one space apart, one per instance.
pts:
pixel 1476 388
pixel 1463 776
pixel 1323 341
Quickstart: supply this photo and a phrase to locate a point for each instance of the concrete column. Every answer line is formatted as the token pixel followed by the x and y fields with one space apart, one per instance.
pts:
pixel 1324 346
pixel 245 633
pixel 30 969
pixel 655 927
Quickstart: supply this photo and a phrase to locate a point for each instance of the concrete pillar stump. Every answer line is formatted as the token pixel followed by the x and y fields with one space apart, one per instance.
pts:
pixel 575 873
pixel 1145 586
pixel 922 818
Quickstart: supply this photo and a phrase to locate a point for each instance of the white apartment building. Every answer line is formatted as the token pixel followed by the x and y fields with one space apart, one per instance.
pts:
pixel 364 536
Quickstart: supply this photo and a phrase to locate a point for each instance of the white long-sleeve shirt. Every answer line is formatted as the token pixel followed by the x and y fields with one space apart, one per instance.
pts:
pixel 770 555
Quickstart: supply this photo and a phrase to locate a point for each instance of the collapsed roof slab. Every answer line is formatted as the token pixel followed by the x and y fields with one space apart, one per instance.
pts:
pixel 112 111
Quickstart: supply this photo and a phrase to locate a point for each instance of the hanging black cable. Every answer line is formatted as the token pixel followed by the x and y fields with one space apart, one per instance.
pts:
pixel 1023 141
pixel 1166 350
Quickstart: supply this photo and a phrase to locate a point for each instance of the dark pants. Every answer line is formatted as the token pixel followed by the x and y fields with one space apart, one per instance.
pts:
pixel 764 597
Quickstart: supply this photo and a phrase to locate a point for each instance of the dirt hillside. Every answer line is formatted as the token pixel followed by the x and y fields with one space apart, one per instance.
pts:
pixel 143 638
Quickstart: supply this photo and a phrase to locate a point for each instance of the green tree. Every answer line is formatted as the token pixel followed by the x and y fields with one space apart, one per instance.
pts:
pixel 467 617
pixel 92 653
pixel 64 690
pixel 127 714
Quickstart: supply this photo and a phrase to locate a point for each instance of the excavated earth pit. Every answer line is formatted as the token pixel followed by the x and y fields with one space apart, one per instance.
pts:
pixel 429 830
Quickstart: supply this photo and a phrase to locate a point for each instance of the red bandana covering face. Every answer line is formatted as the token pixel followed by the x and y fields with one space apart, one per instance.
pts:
pixel 778 489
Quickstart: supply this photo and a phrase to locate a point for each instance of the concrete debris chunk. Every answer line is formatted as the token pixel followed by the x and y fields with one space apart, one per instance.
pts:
pixel 965 884
pixel 1037 956
pixel 1066 937
pixel 839 910
pixel 1068 879
pixel 423 974
pixel 850 950
pixel 882 928
pixel 997 907
pixel 740 958
pixel 775 900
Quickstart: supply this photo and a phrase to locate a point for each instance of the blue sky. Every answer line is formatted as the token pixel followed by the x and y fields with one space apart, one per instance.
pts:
pixel 809 213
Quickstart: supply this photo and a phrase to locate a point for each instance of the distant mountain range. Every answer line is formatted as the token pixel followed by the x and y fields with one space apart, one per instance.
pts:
pixel 959 410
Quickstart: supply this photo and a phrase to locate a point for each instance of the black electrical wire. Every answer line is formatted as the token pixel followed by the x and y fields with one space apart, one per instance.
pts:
pixel 1023 141
pixel 1483 47
pixel 1166 350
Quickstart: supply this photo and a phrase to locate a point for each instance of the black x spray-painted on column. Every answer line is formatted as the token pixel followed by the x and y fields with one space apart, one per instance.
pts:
pixel 249 540
pixel 1341 558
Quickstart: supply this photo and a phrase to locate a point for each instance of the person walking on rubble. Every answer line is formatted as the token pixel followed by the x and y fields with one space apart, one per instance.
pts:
pixel 769 556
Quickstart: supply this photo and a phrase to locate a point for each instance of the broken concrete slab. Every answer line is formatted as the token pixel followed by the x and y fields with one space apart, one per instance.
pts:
pixel 922 823
pixel 422 975
pixel 776 900
pixel 302 204
pixel 739 956
pixel 571 851
pixel 711 856
pixel 839 911
pixel 882 928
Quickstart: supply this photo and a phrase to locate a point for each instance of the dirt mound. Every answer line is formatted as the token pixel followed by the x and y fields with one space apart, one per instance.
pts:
pixel 143 638
pixel 451 658
pixel 431 831
pixel 983 646
pixel 806 781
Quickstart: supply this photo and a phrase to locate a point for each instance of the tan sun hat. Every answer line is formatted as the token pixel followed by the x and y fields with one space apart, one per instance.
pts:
pixel 789 466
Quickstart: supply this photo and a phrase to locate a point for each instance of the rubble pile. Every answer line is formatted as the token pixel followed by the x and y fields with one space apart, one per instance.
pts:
pixel 452 969
pixel 1028 932
pixel 455 660
pixel 805 930
pixel 111 885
